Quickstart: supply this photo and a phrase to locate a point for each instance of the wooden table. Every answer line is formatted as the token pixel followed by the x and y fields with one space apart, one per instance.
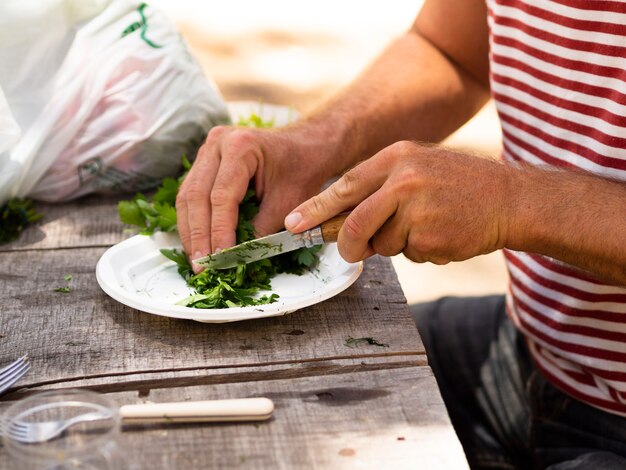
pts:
pixel 336 406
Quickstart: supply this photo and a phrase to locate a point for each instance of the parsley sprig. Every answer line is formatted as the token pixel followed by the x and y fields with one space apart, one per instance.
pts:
pixel 159 214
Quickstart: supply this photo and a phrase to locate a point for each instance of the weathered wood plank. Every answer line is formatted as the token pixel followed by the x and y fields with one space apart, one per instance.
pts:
pixel 220 375
pixel 89 221
pixel 86 335
pixel 376 419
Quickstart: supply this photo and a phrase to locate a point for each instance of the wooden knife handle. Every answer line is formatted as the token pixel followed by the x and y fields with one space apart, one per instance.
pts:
pixel 330 228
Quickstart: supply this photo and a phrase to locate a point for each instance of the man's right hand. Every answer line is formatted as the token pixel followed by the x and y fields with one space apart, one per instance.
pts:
pixel 286 168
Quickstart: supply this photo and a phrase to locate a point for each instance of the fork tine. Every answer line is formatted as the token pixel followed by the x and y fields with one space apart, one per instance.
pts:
pixel 13 378
pixel 14 364
pixel 13 370
pixel 17 431
pixel 7 380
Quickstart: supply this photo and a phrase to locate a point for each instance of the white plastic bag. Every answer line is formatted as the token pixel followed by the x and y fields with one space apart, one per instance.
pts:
pixel 102 96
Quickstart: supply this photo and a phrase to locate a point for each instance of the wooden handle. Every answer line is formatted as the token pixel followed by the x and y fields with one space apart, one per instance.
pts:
pixel 242 409
pixel 330 228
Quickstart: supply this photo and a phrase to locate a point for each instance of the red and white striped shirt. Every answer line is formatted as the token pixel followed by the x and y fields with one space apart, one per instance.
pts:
pixel 558 77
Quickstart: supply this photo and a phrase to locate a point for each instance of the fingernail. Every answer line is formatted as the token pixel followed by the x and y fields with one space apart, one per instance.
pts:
pixel 197 269
pixel 292 220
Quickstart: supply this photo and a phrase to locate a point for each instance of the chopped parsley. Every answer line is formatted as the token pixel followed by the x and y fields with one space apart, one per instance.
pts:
pixel 158 214
pixel 239 286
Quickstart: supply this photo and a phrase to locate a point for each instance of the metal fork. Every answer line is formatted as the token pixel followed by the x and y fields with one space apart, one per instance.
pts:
pixel 13 372
pixel 30 433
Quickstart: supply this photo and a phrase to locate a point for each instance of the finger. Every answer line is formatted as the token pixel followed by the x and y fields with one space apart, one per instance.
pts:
pixel 182 221
pixel 347 192
pixel 354 240
pixel 391 238
pixel 192 204
pixel 231 184
pixel 271 215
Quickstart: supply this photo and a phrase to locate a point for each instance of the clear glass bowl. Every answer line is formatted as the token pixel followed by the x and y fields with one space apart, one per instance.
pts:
pixel 86 445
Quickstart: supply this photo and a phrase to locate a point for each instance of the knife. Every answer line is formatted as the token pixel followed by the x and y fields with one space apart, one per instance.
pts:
pixel 272 245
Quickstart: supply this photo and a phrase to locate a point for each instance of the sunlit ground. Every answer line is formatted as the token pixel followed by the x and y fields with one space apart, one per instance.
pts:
pixel 299 53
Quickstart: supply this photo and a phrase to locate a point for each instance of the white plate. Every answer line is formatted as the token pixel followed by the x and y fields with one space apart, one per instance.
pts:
pixel 136 274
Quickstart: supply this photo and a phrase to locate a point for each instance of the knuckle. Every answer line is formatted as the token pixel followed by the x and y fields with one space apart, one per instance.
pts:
pixel 352 228
pixel 193 192
pixel 220 196
pixel 216 133
pixel 385 246
pixel 181 199
pixel 197 234
pixel 347 183
pixel 318 205
pixel 427 247
pixel 407 179
pixel 241 140
pixel 398 150
pixel 404 147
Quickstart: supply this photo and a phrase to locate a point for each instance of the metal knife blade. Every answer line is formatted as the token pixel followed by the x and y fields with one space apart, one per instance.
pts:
pixel 272 245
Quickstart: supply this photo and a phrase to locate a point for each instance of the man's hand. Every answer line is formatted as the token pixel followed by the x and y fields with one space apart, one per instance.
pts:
pixel 424 201
pixel 207 202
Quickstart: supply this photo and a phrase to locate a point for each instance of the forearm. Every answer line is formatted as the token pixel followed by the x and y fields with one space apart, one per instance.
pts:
pixel 571 216
pixel 412 91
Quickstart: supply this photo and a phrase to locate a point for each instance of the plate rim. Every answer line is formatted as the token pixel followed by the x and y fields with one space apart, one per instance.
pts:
pixel 222 315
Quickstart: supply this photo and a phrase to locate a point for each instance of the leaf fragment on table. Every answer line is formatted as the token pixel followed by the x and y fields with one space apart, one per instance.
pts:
pixel 15 215
pixel 355 342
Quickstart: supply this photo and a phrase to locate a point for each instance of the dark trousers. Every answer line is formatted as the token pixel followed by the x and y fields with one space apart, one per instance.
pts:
pixel 505 413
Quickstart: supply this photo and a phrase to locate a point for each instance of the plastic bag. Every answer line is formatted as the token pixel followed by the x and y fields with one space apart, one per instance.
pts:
pixel 102 96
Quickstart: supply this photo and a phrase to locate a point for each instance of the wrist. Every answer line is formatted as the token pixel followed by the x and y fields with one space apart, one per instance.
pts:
pixel 521 201
pixel 543 202
pixel 323 143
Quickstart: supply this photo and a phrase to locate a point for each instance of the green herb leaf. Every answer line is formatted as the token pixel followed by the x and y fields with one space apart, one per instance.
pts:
pixel 63 290
pixel 15 215
pixel 167 191
pixel 130 213
pixel 254 120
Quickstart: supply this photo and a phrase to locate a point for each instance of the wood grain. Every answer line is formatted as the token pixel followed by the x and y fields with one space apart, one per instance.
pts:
pixel 84 335
pixel 330 228
pixel 337 406
pixel 375 419
pixel 90 221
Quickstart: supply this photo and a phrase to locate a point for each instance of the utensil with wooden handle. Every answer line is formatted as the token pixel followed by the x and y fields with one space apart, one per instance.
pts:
pixel 272 245
pixel 242 409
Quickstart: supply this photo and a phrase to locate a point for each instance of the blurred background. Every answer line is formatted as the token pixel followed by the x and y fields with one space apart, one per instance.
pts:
pixel 298 54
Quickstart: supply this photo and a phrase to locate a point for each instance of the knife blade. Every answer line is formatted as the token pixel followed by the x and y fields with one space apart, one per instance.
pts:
pixel 272 245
